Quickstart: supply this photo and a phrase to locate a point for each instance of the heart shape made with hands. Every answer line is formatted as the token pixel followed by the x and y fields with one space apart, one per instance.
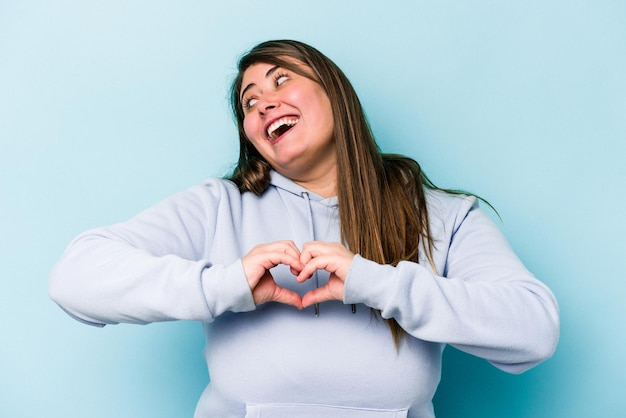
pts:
pixel 333 257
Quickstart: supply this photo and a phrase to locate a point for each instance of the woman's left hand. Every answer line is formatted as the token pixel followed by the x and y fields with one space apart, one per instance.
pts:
pixel 332 257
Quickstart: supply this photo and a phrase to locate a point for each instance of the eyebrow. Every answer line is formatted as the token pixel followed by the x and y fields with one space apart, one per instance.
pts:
pixel 267 74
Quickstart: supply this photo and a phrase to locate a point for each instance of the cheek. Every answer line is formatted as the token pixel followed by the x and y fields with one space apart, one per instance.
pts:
pixel 325 114
pixel 249 128
pixel 319 101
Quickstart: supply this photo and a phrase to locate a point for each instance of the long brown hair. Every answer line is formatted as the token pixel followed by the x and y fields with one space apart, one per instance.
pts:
pixel 382 206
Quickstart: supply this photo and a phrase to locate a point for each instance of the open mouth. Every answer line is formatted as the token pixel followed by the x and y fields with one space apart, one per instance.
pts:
pixel 280 127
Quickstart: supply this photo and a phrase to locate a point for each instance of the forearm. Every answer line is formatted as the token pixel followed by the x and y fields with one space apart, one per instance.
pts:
pixel 512 323
pixel 156 266
pixel 103 281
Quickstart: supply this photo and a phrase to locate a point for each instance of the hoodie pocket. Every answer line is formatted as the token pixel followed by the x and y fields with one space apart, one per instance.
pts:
pixel 317 411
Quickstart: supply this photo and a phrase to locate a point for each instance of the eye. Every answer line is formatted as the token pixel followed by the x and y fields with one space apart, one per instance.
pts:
pixel 280 78
pixel 249 102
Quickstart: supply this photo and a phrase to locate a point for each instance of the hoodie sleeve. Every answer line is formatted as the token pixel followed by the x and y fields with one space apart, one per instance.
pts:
pixel 483 302
pixel 151 268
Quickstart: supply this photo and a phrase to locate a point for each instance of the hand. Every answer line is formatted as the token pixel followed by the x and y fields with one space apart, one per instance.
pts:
pixel 258 262
pixel 332 257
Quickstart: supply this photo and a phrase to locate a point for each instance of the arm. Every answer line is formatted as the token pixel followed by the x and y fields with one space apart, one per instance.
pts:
pixel 486 303
pixel 153 267
pixel 483 301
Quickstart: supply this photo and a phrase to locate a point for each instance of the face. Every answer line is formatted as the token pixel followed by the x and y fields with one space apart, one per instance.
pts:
pixel 288 119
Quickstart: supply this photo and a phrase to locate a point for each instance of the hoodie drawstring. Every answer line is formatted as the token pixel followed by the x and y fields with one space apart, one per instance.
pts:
pixel 306 197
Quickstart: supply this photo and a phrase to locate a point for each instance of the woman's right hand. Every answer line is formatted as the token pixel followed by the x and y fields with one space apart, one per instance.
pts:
pixel 258 262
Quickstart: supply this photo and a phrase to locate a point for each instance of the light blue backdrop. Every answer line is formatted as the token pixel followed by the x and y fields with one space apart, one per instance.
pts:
pixel 108 106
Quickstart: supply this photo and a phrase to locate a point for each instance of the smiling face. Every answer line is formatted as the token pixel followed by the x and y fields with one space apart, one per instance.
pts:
pixel 288 119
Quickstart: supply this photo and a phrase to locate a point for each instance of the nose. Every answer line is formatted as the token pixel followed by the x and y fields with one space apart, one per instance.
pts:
pixel 267 103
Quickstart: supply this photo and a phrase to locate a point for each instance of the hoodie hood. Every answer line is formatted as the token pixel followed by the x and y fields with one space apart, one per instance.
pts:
pixel 283 183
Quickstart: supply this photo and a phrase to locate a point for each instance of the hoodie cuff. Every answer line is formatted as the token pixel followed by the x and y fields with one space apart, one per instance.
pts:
pixel 367 283
pixel 226 289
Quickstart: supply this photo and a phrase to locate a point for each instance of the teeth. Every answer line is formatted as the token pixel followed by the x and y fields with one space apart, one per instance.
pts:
pixel 274 127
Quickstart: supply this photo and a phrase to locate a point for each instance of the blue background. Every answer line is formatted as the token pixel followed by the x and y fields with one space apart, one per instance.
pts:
pixel 107 107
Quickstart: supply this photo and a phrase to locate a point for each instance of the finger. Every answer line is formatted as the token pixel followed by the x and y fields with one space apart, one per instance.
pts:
pixel 289 247
pixel 287 297
pixel 268 260
pixel 312 259
pixel 313 249
pixel 274 259
pixel 328 263
pixel 257 272
pixel 309 269
pixel 268 291
pixel 286 247
pixel 318 295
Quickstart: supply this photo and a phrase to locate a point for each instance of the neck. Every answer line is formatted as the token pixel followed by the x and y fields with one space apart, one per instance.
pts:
pixel 323 184
pixel 325 190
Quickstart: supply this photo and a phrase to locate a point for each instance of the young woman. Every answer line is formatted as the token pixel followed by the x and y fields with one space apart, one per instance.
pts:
pixel 329 277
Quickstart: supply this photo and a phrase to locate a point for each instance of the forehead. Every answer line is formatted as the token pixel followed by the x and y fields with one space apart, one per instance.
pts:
pixel 255 73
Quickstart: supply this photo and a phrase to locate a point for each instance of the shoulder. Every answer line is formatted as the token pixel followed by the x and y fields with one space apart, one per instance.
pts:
pixel 449 206
pixel 207 195
pixel 216 185
pixel 225 194
pixel 450 212
pixel 211 189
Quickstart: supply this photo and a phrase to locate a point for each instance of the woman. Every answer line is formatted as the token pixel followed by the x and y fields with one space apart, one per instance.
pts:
pixel 329 277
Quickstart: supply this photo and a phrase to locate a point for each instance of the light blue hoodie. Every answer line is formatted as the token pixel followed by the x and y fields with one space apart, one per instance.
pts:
pixel 181 260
